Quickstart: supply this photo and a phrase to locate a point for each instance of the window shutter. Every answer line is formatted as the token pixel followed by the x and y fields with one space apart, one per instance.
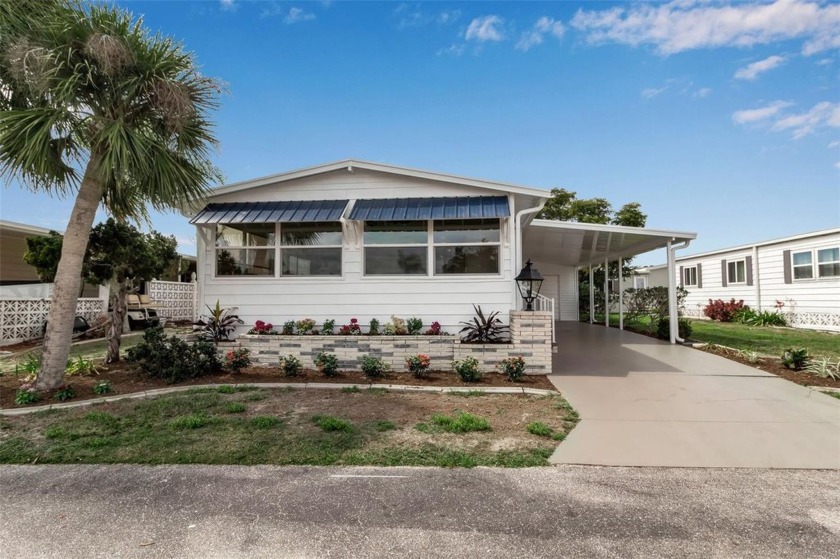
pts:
pixel 699 276
pixel 723 273
pixel 682 276
pixel 748 266
pixel 788 271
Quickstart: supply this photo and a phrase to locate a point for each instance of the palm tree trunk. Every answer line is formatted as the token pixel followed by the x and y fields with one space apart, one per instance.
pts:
pixel 68 279
pixel 118 311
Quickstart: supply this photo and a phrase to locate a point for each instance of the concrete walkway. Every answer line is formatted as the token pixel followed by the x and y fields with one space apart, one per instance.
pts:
pixel 648 403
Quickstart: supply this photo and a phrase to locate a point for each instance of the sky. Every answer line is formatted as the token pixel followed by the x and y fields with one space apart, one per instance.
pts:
pixel 720 118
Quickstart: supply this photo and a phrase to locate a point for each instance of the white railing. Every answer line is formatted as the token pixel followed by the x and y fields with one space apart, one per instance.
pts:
pixel 177 300
pixel 546 304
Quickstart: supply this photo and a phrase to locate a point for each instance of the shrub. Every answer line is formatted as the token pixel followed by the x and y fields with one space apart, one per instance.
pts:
pixel 328 327
pixel 396 327
pixel 352 329
pixel 26 396
pixel 237 359
pixel 288 327
pixel 794 358
pixel 414 326
pixel 327 364
pixel 373 329
pixel 80 366
pixel 290 365
pixel 434 329
pixel 540 429
pixel 484 329
pixel 759 318
pixel 263 329
pixel 66 393
pixel 374 367
pixel 171 359
pixel 418 365
pixel 749 356
pixel 330 423
pixel 723 311
pixel 102 387
pixel 304 326
pixel 651 302
pixel 462 423
pixel 663 328
pixel 513 368
pixel 824 367
pixel 219 323
pixel 467 369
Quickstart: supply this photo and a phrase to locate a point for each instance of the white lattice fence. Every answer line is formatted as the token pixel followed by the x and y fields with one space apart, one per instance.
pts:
pixel 814 320
pixel 23 319
pixel 176 299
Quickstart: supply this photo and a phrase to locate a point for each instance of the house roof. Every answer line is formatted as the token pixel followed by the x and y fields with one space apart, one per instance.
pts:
pixel 453 207
pixel 270 212
pixel 352 164
pixel 23 228
pixel 581 244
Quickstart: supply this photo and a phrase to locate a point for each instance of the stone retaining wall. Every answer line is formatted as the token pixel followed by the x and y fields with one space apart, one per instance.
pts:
pixel 530 339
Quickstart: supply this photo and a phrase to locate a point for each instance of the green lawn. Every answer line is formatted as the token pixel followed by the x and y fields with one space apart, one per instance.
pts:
pixel 763 339
pixel 249 425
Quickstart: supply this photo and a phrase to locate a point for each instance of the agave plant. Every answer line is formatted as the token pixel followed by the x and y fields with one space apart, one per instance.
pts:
pixel 484 329
pixel 220 323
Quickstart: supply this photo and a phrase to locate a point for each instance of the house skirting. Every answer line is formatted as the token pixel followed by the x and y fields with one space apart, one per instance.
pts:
pixel 530 339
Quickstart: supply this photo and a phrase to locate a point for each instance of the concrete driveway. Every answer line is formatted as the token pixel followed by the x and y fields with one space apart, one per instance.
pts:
pixel 648 403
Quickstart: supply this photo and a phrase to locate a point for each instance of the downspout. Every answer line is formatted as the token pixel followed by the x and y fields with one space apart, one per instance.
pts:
pixel 673 315
pixel 756 280
pixel 517 225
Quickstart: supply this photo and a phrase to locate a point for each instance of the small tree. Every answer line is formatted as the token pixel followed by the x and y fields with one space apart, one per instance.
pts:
pixel 43 254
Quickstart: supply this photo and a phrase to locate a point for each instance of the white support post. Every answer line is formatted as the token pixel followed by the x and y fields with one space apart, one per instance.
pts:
pixel 672 295
pixel 591 297
pixel 606 292
pixel 620 294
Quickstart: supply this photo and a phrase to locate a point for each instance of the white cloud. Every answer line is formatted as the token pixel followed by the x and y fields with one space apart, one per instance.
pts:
pixel 455 49
pixel 651 92
pixel 834 144
pixel 762 113
pixel 448 17
pixel 702 92
pixel 824 114
pixel 837 164
pixel 228 5
pixel 534 36
pixel 296 15
pixel 751 71
pixel 824 61
pixel 683 25
pixel 486 28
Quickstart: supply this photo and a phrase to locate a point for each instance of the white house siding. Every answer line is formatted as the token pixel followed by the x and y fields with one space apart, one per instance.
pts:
pixel 447 300
pixel 812 303
pixel 561 285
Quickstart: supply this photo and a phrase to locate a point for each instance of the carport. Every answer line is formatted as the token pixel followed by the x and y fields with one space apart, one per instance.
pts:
pixel 555 246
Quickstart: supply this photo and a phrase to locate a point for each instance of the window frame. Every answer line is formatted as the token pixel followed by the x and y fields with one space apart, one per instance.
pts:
pixel 815 265
pixel 217 248
pixel 686 275
pixel 430 246
pixel 729 280
pixel 280 247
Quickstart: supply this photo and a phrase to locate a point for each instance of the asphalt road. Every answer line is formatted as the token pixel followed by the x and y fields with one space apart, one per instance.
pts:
pixel 221 511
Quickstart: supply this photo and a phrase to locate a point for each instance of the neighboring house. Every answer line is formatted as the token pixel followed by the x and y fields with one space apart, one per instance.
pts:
pixel 17 278
pixel 354 239
pixel 802 272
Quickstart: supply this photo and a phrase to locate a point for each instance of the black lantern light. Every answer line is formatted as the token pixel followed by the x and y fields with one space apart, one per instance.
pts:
pixel 529 282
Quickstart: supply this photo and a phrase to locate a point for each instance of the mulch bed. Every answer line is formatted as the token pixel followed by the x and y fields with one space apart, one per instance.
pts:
pixel 774 366
pixel 124 379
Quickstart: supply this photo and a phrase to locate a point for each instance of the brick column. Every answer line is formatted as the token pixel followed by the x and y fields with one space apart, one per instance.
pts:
pixel 531 336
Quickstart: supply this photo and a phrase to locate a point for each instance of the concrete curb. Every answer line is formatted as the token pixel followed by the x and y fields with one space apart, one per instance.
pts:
pixel 297 385
pixel 824 388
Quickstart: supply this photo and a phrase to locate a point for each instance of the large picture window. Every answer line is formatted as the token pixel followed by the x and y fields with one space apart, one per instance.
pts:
pixel 458 246
pixel 310 249
pixel 818 263
pixel 245 249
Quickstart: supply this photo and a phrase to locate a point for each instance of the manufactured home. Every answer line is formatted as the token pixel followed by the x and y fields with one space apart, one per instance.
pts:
pixel 354 239
pixel 798 276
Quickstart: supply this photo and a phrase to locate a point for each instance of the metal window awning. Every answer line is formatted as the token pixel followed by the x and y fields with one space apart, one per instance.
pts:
pixel 271 212
pixel 418 209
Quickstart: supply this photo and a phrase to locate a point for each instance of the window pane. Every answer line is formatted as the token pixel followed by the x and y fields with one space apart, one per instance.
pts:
pixel 240 262
pixel 829 270
pixel 396 232
pixel 730 276
pixel 803 272
pixel 800 258
pixel 467 260
pixel 742 271
pixel 310 234
pixel 467 231
pixel 311 261
pixel 245 235
pixel 828 255
pixel 395 260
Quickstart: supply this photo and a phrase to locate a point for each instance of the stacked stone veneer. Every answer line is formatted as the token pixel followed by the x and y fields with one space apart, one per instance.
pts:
pixel 530 338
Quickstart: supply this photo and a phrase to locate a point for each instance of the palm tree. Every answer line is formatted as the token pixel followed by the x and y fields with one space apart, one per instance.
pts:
pixel 91 103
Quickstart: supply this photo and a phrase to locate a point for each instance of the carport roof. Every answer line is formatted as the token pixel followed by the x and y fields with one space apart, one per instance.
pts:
pixel 581 244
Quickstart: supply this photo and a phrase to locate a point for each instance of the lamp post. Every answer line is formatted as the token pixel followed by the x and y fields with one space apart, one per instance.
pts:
pixel 529 282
